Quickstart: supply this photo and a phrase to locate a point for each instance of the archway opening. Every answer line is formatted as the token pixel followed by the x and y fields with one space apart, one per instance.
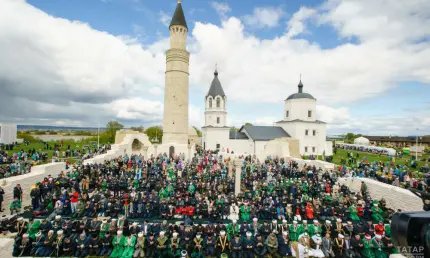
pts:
pixel 171 151
pixel 136 145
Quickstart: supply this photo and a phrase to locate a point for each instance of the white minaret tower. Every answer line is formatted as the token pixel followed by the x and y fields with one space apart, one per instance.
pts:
pixel 175 123
pixel 216 104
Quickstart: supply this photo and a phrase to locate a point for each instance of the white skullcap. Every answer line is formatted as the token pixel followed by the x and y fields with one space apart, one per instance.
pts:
pixel 25 235
pixel 248 233
pixel 339 220
pixel 20 219
pixel 305 222
pixel 59 232
pixel 198 236
pixel 376 205
pixel 58 217
pixel 285 233
pixel 295 222
pixel 175 234
pixel 328 222
pixel 233 221
pixel 340 236
pixel 274 221
pixel 135 223
pixel 255 219
pixel 119 232
pixel 222 233
pixel 315 221
pixel 289 204
pixel 51 231
pixel 162 233
pixel 284 221
pixel 379 237
pixel 140 235
pixel 349 222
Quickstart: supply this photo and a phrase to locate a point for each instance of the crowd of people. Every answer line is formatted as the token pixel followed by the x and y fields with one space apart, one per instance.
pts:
pixel 168 207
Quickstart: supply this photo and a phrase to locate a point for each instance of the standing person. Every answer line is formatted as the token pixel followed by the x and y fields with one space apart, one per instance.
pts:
pixel 17 192
pixel 1 198
pixel 74 199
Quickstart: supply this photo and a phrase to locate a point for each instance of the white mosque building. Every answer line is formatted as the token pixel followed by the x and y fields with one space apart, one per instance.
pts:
pixel 298 133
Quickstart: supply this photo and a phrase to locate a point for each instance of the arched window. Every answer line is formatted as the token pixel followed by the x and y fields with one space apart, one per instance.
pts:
pixel 210 102
pixel 218 102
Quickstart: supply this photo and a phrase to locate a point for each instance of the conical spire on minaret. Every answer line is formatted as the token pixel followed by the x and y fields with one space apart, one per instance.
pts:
pixel 178 16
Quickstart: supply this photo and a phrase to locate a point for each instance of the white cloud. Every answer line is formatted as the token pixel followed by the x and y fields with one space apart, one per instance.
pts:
pixel 296 25
pixel 165 18
pixel 221 8
pixel 264 17
pixel 53 69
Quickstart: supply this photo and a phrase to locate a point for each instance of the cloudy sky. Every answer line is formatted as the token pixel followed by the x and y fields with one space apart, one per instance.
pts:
pixel 85 62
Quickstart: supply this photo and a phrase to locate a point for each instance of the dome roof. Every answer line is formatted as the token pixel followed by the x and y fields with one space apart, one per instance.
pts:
pixel 362 141
pixel 300 94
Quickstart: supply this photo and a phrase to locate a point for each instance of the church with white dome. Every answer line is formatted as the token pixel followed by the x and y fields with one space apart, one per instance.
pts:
pixel 297 134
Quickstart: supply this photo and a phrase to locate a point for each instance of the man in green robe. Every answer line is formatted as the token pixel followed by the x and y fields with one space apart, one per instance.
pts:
pixel 33 229
pixel 232 229
pixel 315 229
pixel 353 212
pixel 295 231
pixel 244 211
pixel 191 188
pixel 368 247
pixel 377 213
pixel 118 245
pixel 129 243
pixel 378 247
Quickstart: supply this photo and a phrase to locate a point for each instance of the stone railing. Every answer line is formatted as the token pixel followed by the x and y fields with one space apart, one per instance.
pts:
pixel 396 197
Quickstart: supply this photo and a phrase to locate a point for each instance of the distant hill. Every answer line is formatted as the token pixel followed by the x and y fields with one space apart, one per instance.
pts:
pixel 56 128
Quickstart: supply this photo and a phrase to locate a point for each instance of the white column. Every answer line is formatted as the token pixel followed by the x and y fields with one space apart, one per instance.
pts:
pixel 238 165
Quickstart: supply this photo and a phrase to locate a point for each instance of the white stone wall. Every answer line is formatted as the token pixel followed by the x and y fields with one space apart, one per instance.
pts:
pixel 396 197
pixel 213 136
pixel 297 130
pixel 8 133
pixel 37 174
pixel 298 109
pixel 176 90
pixel 244 146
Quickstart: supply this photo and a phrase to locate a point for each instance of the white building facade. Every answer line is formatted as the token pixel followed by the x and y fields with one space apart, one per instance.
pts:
pixel 8 133
pixel 299 129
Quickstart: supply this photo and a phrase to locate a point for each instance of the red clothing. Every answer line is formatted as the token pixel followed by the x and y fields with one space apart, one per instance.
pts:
pixel 74 198
pixel 379 229
pixel 309 212
pixel 126 199
pixel 327 188
pixel 360 211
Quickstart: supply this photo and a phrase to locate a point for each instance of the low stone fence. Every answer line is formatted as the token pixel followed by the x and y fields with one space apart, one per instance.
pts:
pixel 396 197
pixel 37 174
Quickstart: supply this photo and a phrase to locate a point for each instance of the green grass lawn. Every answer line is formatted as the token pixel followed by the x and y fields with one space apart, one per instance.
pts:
pixel 39 147
pixel 405 160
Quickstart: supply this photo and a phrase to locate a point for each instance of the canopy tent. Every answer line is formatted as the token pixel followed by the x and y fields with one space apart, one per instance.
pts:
pixel 362 141
pixel 373 149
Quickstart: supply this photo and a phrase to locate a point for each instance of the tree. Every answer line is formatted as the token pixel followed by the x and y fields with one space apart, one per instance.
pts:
pixel 140 129
pixel 111 128
pixel 248 123
pixel 234 129
pixel 154 132
pixel 350 137
pixel 199 133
